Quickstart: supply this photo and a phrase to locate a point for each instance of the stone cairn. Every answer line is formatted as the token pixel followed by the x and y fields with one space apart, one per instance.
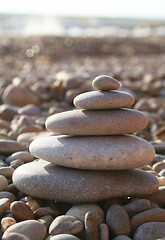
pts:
pixel 91 157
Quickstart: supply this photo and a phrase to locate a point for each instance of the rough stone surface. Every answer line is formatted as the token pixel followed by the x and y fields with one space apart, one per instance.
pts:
pixel 104 82
pixel 65 224
pixel 98 122
pixel 118 221
pixel 94 152
pixel 150 230
pixel 79 211
pixel 32 229
pixel 103 100
pixel 81 185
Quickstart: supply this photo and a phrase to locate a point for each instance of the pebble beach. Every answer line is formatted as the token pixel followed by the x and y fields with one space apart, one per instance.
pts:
pixel 82 158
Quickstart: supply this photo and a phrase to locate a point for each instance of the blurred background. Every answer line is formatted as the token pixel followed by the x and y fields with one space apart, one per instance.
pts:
pixel 55 48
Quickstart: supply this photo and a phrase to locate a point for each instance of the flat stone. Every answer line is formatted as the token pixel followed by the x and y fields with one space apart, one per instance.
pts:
pixel 94 152
pixel 44 180
pixel 150 230
pixel 104 82
pixel 103 100
pixel 98 122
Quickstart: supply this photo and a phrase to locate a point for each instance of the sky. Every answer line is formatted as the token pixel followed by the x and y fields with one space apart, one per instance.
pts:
pixel 148 9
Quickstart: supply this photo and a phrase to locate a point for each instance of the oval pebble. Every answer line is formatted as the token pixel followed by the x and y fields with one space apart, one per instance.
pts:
pixel 104 82
pixel 65 224
pixel 4 205
pixel 31 229
pixel 80 210
pixel 150 230
pixel 7 222
pixel 8 195
pixel 3 183
pixel 42 211
pixel 137 206
pixel 22 155
pixel 118 221
pixel 103 232
pixel 151 215
pixel 6 171
pixel 95 100
pixel 21 210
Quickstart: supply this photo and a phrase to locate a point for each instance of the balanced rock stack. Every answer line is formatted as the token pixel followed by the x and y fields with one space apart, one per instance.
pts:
pixel 92 158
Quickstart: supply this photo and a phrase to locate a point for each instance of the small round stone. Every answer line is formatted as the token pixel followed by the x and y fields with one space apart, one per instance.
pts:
pixel 118 221
pixel 7 222
pixel 21 211
pixel 137 206
pixel 65 224
pixel 104 82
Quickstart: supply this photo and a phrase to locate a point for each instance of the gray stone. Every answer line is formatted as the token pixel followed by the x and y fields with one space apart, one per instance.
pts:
pixel 32 229
pixel 79 211
pixel 103 100
pixel 118 221
pixel 3 183
pixel 8 195
pixel 94 152
pixel 150 231
pixel 104 82
pixel 65 224
pixel 6 171
pixel 98 122
pixel 45 180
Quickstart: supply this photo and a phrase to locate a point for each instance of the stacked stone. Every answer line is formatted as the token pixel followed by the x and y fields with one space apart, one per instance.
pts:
pixel 93 157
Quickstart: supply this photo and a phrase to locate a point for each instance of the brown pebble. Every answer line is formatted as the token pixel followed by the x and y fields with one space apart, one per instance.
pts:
pixel 151 215
pixel 91 230
pixel 137 206
pixel 118 221
pixel 103 232
pixel 21 211
pixel 157 197
pixel 4 205
pixel 158 166
pixel 42 211
pixel 7 222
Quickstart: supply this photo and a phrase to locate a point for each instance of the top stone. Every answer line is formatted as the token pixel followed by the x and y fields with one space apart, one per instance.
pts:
pixel 104 82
